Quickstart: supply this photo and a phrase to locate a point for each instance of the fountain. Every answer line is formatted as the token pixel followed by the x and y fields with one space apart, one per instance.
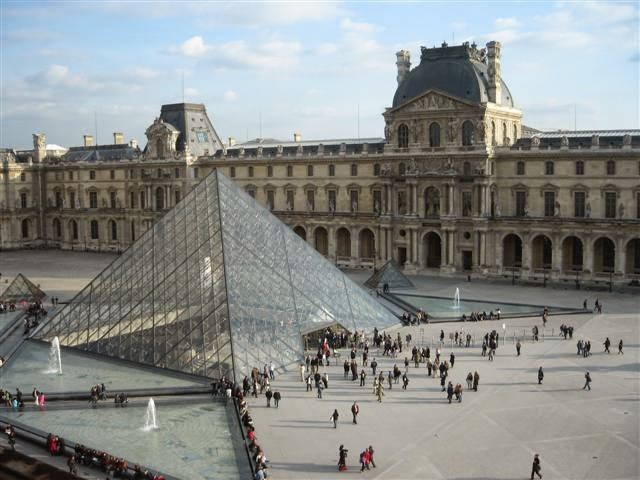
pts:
pixel 456 299
pixel 150 422
pixel 55 362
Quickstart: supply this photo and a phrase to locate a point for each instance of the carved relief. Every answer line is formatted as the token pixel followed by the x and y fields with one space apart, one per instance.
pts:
pixel 453 125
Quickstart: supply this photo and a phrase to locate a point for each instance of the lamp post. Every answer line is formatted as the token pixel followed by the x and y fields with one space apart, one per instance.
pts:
pixel 504 332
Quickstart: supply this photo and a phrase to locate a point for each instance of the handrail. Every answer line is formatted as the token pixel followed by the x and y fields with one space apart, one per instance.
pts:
pixel 252 467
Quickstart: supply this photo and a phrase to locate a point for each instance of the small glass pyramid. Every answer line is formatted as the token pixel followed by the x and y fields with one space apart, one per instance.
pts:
pixel 391 275
pixel 217 286
pixel 21 288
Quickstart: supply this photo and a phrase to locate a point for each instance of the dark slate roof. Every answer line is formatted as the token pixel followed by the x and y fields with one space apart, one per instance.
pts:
pixel 309 147
pixel 456 70
pixel 195 127
pixel 101 153
pixel 578 139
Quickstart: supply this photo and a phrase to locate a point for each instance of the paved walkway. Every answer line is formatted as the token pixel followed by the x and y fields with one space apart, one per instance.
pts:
pixel 494 432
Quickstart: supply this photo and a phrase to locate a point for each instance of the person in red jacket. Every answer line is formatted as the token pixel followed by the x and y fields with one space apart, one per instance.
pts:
pixel 365 459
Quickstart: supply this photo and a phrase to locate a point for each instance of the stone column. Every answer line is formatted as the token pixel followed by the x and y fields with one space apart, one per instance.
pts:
pixel 483 249
pixel 331 247
pixel 621 257
pixel 450 199
pixel 355 249
pixel 390 208
pixel 526 253
pixel 415 200
pixel 587 255
pixel 556 259
pixel 483 200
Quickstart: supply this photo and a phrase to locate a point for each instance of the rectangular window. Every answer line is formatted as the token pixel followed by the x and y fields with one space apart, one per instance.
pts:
pixel 611 167
pixel 269 171
pixel 70 175
pixel 466 204
pixel 232 172
pixel 23 200
pixel 309 170
pixel 521 204
pixel 177 196
pixel 72 199
pixel 289 170
pixel 112 174
pixel 331 200
pixel 579 204
pixel 579 167
pixel 377 201
pixel 520 168
pixel 311 200
pixel 250 171
pixel 132 173
pixel 354 170
pixel 548 168
pixel 610 204
pixel 113 197
pixel 93 199
pixel 332 170
pixel 638 205
pixel 94 230
pixel 23 177
pixel 177 173
pixel 549 204
pixel 270 199
pixel 290 200
pixel 92 174
pixel 142 200
pixel 58 199
pixel 132 199
pixel 353 197
pixel 196 172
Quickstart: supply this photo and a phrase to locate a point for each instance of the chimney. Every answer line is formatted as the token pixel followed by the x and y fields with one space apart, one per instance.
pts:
pixel 232 141
pixel 494 71
pixel 133 143
pixel 39 147
pixel 403 63
pixel 118 138
pixel 297 137
pixel 88 140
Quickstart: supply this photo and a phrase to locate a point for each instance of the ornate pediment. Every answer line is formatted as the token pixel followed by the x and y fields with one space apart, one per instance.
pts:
pixel 434 101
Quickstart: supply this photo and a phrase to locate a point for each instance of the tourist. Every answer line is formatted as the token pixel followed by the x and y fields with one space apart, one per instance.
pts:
pixel 334 418
pixel 325 380
pixel 302 369
pixel 449 391
pixel 607 344
pixel 276 398
pixel 457 391
pixel 355 409
pixel 11 436
pixel 587 382
pixel 365 459
pixel 442 337
pixel 342 459
pixel 470 381
pixel 584 304
pixel 380 391
pixel 389 378
pixel 363 376
pixel 374 365
pixel 518 346
pixel 536 468
pixel 269 395
pixel 405 381
pixel 371 452
pixel 540 376
pixel 476 381
pixel 319 388
pixel 309 383
pixel 620 352
pixel 452 359
pixel 71 463
pixel 484 348
pixel 272 371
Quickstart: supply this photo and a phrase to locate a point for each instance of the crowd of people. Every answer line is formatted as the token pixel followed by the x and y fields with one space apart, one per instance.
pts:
pixel 117 467
pixel 7 306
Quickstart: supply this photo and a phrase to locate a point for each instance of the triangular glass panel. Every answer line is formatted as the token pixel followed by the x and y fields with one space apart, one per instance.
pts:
pixel 21 289
pixel 391 275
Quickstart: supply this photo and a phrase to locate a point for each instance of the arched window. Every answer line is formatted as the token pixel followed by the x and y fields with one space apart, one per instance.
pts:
pixel 376 169
pixel 403 136
pixel 94 230
pixel 159 148
pixel 113 227
pixel 343 243
pixel 505 138
pixel 159 198
pixel 493 132
pixel 467 133
pixel 25 228
pixel 466 169
pixel 367 244
pixel 73 226
pixel 57 228
pixel 434 134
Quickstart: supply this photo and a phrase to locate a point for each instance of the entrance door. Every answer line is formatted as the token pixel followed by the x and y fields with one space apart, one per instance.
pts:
pixel 402 256
pixel 467 260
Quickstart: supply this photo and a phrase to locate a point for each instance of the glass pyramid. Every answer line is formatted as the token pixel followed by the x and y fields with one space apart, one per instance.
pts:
pixel 391 275
pixel 217 286
pixel 21 288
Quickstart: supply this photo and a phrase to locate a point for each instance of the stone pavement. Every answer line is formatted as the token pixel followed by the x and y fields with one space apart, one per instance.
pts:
pixel 494 432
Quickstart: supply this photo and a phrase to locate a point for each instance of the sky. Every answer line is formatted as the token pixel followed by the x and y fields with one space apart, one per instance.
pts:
pixel 323 69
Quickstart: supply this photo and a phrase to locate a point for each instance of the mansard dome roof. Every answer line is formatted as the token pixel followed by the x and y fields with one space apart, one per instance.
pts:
pixel 460 71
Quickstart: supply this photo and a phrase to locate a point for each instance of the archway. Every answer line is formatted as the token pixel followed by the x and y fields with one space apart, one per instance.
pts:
pixel 73 229
pixel 431 202
pixel 512 251
pixel 604 255
pixel 343 243
pixel 321 240
pixel 25 226
pixel 301 232
pixel 432 248
pixel 633 257
pixel 572 254
pixel 367 244
pixel 541 252
pixel 57 228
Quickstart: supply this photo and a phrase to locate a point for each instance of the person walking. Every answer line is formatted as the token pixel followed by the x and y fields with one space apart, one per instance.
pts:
pixel 470 381
pixel 71 463
pixel 380 391
pixel 389 378
pixel 536 468
pixel 355 409
pixel 276 398
pixel 269 395
pixel 518 347
pixel 302 369
pixel 476 380
pixel 11 436
pixel 540 376
pixel 374 365
pixel 405 381
pixel 620 352
pixel 363 376
pixel 371 452
pixel 334 418
pixel 587 381
pixel 452 359
pixel 607 344
pixel 450 391
pixel 342 459
pixel 319 387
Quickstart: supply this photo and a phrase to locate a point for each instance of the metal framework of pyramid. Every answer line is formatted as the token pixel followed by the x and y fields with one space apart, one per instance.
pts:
pixel 391 275
pixel 21 288
pixel 217 286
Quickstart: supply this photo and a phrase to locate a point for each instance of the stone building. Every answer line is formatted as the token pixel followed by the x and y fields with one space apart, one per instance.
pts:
pixel 457 184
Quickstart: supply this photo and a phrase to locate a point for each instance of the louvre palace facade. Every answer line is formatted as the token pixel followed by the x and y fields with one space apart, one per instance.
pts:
pixel 457 184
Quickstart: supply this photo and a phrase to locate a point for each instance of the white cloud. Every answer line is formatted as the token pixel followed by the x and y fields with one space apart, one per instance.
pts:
pixel 192 47
pixel 506 23
pixel 230 96
pixel 361 27
pixel 327 48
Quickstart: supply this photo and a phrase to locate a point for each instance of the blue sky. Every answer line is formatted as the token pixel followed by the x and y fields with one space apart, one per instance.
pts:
pixel 304 67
